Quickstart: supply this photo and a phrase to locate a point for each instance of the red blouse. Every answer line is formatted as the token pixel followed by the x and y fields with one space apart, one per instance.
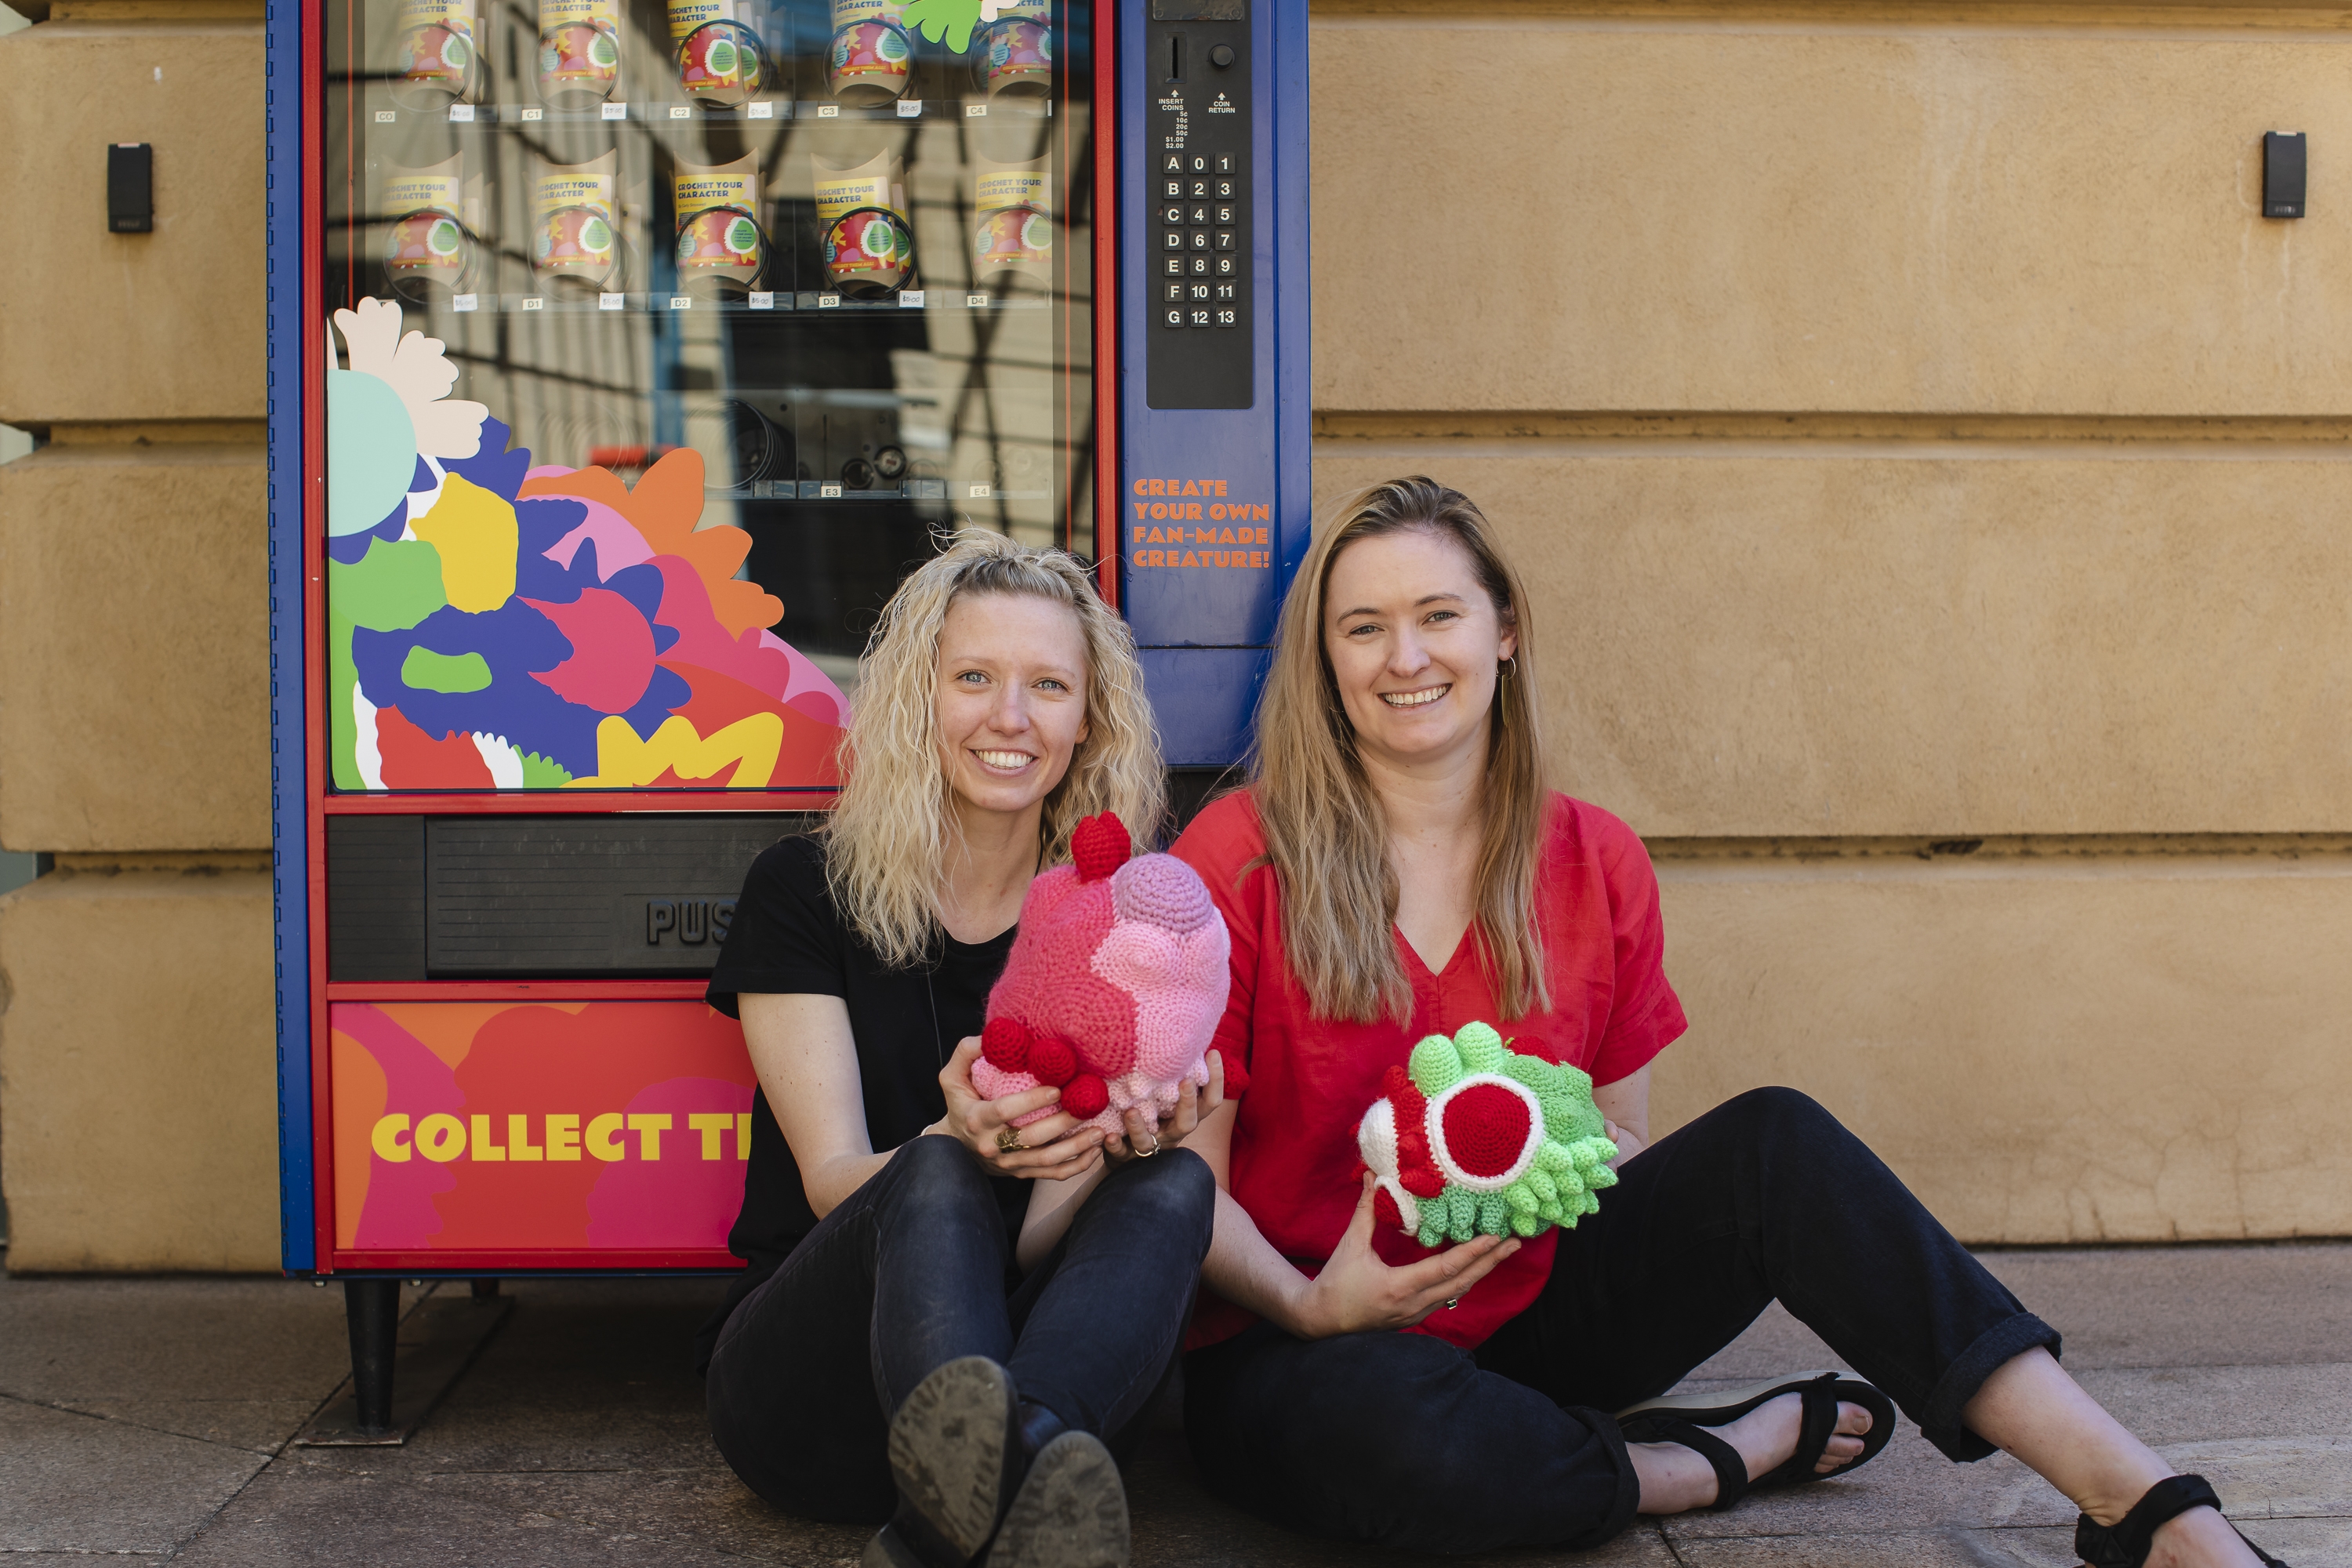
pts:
pixel 1310 1080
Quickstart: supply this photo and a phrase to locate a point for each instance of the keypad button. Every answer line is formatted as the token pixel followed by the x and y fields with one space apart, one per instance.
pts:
pixel 1174 241
pixel 1224 163
pixel 1200 317
pixel 1225 239
pixel 1175 164
pixel 1228 317
pixel 1174 188
pixel 1199 239
pixel 1225 267
pixel 1172 319
pixel 1175 267
pixel 1173 292
pixel 1199 214
pixel 1200 165
pixel 1171 214
pixel 1200 268
pixel 1198 290
pixel 1227 291
pixel 1225 189
pixel 1200 189
pixel 1224 216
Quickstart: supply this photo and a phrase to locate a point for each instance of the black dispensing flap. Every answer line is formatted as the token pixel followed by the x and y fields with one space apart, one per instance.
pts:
pixel 375 898
pixel 412 897
pixel 634 894
pixel 130 187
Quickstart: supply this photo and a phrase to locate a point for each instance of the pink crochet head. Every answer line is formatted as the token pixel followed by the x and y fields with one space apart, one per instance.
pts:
pixel 1114 985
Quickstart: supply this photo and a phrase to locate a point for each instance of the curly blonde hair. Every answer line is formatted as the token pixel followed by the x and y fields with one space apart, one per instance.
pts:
pixel 890 835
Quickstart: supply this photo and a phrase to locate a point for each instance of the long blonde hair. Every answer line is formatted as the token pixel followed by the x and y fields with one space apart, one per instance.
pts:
pixel 1326 833
pixel 890 835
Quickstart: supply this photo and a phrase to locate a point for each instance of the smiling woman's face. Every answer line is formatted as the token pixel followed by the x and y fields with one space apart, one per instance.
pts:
pixel 1011 698
pixel 1414 642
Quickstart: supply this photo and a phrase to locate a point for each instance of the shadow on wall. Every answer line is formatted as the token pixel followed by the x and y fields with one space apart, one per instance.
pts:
pixel 16 867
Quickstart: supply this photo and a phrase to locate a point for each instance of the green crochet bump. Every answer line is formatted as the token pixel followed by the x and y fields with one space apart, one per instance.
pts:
pixel 1486 1162
pixel 943 21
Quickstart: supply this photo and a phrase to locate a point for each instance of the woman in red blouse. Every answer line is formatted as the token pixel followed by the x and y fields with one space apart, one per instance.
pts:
pixel 1397 869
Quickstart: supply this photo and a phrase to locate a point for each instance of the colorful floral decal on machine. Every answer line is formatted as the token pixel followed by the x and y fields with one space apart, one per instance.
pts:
pixel 497 626
pixel 562 1125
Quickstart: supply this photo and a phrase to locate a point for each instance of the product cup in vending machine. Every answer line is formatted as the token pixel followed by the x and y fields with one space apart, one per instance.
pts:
pixel 579 51
pixel 1015 54
pixel 722 247
pixel 576 227
pixel 721 57
pixel 1015 223
pixel 869 245
pixel 438 59
pixel 431 248
pixel 872 60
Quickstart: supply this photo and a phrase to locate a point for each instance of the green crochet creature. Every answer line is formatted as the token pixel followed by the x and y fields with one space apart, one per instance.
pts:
pixel 1479 1140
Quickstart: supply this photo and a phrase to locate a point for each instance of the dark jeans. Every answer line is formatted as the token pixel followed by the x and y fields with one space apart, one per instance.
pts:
pixel 1405 1440
pixel 909 1274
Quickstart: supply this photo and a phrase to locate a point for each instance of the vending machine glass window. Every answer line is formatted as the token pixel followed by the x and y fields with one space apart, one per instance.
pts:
pixel 665 339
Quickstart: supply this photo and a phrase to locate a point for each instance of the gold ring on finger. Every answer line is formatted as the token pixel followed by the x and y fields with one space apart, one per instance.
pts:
pixel 1008 1141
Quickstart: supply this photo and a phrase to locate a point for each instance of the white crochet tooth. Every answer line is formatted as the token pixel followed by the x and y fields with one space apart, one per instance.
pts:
pixel 1376 1140
pixel 1408 1206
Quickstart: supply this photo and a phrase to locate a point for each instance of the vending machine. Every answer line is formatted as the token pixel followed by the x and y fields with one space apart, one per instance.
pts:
pixel 624 355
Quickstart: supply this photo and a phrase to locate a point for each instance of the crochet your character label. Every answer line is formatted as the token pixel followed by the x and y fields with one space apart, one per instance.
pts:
pixel 1204 522
pixel 556 1124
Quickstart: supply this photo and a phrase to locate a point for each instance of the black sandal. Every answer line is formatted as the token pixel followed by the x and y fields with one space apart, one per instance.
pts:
pixel 2126 1543
pixel 1684 1419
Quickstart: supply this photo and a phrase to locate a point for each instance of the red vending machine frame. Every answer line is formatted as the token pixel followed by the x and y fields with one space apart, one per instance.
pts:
pixel 517 1037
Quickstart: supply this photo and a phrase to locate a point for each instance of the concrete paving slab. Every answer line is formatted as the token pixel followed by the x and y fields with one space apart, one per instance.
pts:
pixel 107 1339
pixel 2267 1304
pixel 82 1484
pixel 261 1426
pixel 584 1376
pixel 303 1512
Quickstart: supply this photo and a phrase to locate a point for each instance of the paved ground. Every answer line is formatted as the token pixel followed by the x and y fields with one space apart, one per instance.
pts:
pixel 150 1418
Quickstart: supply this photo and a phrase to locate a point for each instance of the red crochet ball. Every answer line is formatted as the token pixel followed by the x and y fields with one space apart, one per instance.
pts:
pixel 1486 1127
pixel 1053 1062
pixel 1086 1096
pixel 1005 1043
pixel 1099 846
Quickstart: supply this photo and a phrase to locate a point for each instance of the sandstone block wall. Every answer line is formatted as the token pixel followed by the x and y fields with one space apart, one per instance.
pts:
pixel 1928 466
pixel 137 1103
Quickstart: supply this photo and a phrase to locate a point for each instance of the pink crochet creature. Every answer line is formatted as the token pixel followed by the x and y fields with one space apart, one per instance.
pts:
pixel 1113 987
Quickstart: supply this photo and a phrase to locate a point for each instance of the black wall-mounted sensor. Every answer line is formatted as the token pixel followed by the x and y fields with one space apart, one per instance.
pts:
pixel 2282 171
pixel 130 187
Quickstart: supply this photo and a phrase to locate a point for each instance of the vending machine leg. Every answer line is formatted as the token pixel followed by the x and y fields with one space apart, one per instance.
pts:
pixel 372 1310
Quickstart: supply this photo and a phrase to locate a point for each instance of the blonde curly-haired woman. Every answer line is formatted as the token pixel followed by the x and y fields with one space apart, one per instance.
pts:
pixel 939 1327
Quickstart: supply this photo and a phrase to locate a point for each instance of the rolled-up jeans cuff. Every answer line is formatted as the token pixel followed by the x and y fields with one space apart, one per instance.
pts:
pixel 1993 1349
pixel 1629 1485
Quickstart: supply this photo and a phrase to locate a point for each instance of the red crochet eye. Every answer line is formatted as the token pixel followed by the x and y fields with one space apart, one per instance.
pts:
pixel 1486 1127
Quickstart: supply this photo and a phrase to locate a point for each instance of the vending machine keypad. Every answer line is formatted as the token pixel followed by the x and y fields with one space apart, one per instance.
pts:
pixel 1202 354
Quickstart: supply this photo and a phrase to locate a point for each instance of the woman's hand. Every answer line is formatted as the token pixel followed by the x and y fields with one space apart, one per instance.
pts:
pixel 1195 1105
pixel 1628 1145
pixel 1043 1151
pixel 1356 1290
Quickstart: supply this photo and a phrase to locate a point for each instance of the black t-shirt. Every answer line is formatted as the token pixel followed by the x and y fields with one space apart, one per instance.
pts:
pixel 789 939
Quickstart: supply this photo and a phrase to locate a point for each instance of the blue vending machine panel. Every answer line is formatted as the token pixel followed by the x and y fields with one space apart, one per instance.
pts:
pixel 1213 408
